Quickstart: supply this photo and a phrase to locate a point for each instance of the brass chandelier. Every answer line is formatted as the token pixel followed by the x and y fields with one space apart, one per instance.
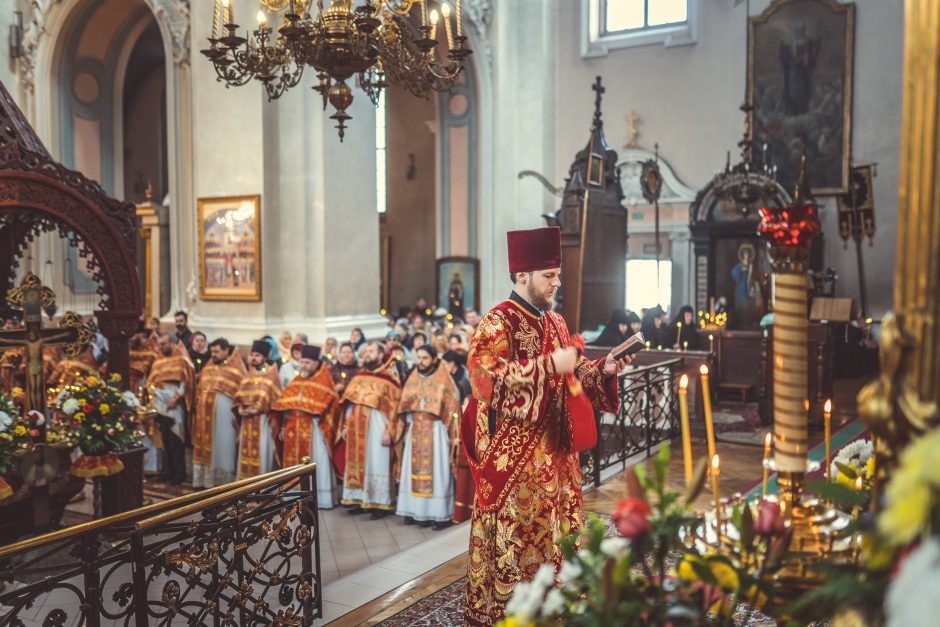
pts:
pixel 379 42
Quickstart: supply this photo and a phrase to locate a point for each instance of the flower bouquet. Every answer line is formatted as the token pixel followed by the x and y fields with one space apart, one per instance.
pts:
pixel 660 568
pixel 101 420
pixel 13 435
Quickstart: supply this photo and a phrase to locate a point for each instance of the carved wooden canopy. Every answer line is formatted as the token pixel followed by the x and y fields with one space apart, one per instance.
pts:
pixel 38 194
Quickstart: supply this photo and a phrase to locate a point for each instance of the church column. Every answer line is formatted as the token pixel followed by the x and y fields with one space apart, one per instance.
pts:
pixel 681 268
pixel 523 107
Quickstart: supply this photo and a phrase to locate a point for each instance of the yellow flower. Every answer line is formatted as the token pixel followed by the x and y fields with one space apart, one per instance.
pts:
pixel 512 621
pixel 82 402
pixel 870 468
pixel 18 392
pixel 115 376
pixel 844 479
pixel 19 430
pixel 874 553
pixel 907 511
pixel 92 380
pixel 685 571
pixel 104 408
pixel 79 416
pixel 726 576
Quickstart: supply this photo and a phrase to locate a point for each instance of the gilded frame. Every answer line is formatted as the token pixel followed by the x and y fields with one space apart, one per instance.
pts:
pixel 214 284
pixel 828 21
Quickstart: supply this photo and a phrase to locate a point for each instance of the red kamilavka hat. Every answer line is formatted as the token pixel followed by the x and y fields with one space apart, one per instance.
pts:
pixel 534 249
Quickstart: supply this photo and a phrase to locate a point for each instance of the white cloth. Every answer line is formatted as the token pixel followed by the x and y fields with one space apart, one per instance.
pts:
pixel 153 462
pixel 287 372
pixel 440 506
pixel 162 396
pixel 266 448
pixel 223 467
pixel 320 454
pixel 376 492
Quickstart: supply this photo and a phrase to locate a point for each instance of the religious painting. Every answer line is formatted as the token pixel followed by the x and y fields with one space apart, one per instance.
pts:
pixel 800 65
pixel 742 270
pixel 230 248
pixel 458 284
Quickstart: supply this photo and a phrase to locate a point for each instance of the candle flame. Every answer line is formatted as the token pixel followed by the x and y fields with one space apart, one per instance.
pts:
pixel 828 406
pixel 262 18
pixel 684 381
pixel 445 10
pixel 715 462
pixel 768 439
pixel 858 482
pixel 805 404
pixel 703 370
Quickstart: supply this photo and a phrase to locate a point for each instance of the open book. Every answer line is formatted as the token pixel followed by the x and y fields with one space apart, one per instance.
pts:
pixel 633 344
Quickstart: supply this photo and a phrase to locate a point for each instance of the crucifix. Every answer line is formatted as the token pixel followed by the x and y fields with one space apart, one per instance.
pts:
pixel 32 297
pixel 599 90
pixel 632 132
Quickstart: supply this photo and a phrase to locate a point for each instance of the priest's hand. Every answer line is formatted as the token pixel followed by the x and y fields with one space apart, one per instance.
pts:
pixel 565 360
pixel 386 439
pixel 613 365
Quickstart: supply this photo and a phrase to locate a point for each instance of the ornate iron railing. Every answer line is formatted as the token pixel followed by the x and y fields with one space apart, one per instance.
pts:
pixel 242 554
pixel 648 414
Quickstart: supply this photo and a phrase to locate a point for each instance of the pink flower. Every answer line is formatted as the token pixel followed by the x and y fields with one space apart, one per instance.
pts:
pixel 111 432
pixel 632 518
pixel 769 519
pixel 34 433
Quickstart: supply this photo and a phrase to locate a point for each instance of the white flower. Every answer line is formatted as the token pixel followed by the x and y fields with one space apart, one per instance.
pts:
pixel 61 396
pixel 5 421
pixel 614 547
pixel 130 398
pixel 911 598
pixel 70 406
pixel 544 577
pixel 570 572
pixel 554 603
pixel 525 602
pixel 855 454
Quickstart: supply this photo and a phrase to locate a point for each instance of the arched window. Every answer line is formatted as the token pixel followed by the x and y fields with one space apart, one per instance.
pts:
pixel 611 24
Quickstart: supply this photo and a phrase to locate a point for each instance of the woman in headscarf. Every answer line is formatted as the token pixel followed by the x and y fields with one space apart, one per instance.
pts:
pixel 684 337
pixel 652 327
pixel 635 323
pixel 616 331
pixel 357 338
pixel 275 356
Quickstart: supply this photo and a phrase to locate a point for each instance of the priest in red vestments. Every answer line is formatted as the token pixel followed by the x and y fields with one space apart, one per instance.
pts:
pixel 213 435
pixel 310 405
pixel 369 403
pixel 172 383
pixel 532 394
pixel 256 393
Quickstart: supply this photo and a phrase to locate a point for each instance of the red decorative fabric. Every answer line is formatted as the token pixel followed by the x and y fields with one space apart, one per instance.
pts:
pixel 534 249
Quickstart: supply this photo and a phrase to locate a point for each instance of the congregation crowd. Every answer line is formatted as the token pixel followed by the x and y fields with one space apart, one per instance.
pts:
pixel 379 416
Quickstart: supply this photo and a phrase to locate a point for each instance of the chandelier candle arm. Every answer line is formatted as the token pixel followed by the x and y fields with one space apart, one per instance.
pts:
pixel 445 12
pixel 459 18
pixel 216 23
pixel 434 18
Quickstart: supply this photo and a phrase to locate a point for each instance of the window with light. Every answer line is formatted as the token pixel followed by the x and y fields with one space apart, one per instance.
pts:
pixel 642 291
pixel 631 15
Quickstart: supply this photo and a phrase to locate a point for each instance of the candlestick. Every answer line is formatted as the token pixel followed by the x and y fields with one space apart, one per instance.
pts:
pixel 216 17
pixel 445 11
pixel 459 19
pixel 711 343
pixel 767 440
pixel 647 344
pixel 434 19
pixel 715 488
pixel 827 425
pixel 707 402
pixel 685 346
pixel 424 12
pixel 686 435
pixel 228 12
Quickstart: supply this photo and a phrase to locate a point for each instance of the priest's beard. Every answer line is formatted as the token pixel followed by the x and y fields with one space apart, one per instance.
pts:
pixel 372 365
pixel 429 369
pixel 537 298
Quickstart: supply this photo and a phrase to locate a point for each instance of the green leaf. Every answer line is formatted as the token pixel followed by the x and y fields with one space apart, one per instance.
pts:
pixel 837 493
pixel 846 470
pixel 698 482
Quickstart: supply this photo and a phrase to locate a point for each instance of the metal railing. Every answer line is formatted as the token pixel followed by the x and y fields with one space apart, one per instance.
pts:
pixel 242 554
pixel 648 414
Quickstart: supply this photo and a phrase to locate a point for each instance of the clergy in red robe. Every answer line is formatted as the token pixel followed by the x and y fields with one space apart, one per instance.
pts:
pixel 369 403
pixel 214 436
pixel 519 428
pixel 310 406
pixel 172 383
pixel 253 400
pixel 142 357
